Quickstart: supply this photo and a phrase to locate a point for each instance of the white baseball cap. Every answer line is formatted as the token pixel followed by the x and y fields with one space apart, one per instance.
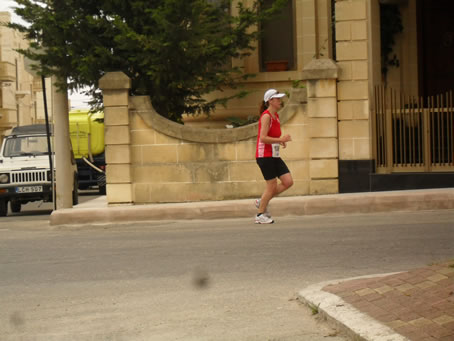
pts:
pixel 272 93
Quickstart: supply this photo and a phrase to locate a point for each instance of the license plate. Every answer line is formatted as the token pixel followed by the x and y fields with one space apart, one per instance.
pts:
pixel 29 189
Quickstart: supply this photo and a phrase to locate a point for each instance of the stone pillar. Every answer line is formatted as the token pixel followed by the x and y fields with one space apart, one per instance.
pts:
pixel 321 76
pixel 115 88
pixel 63 170
pixel 359 62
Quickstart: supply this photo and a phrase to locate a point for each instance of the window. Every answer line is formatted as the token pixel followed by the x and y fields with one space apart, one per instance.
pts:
pixel 277 41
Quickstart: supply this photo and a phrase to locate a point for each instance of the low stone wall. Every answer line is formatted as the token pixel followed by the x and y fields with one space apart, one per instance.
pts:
pixel 151 159
pixel 174 163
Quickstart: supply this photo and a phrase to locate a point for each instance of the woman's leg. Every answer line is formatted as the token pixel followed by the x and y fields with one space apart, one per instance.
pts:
pixel 270 189
pixel 273 188
pixel 286 183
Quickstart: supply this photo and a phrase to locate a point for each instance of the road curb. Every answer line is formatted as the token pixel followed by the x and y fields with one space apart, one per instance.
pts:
pixel 344 317
pixel 369 202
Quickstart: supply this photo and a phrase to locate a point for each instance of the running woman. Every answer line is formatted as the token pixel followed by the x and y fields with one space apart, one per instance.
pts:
pixel 269 141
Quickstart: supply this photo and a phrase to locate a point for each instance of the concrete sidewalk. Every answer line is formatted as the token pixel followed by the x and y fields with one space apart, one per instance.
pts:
pixel 98 212
pixel 417 305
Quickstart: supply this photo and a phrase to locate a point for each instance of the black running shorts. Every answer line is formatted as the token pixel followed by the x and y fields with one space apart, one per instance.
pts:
pixel 272 167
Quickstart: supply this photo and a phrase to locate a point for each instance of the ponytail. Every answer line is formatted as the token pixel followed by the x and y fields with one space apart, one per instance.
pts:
pixel 263 107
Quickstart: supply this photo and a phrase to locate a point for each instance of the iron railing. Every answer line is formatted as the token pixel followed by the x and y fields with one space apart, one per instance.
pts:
pixel 413 134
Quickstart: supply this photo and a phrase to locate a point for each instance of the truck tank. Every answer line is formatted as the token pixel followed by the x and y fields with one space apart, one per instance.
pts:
pixel 86 131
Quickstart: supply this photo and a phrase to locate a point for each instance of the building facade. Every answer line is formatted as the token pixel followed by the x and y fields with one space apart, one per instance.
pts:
pixel 395 94
pixel 21 93
pixel 394 88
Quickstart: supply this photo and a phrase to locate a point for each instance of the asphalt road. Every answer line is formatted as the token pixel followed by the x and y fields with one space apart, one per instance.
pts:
pixel 198 280
pixel 39 210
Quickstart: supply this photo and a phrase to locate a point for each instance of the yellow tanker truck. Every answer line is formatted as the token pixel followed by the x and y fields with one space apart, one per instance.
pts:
pixel 86 131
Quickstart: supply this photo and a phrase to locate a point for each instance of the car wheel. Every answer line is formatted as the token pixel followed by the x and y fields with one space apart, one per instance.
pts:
pixel 102 190
pixel 15 206
pixel 102 184
pixel 3 208
pixel 75 192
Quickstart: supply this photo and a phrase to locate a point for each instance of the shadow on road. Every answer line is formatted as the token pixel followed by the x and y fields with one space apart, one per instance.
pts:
pixel 40 208
pixel 31 213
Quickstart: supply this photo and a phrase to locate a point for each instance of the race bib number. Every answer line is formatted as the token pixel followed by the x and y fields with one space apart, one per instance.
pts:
pixel 275 147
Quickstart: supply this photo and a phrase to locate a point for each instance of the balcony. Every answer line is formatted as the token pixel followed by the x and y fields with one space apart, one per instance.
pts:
pixel 7 72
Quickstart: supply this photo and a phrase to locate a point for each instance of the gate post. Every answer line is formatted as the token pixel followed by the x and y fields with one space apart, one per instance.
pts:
pixel 321 76
pixel 115 89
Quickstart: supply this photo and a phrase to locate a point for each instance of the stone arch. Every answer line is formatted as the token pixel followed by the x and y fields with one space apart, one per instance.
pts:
pixel 142 106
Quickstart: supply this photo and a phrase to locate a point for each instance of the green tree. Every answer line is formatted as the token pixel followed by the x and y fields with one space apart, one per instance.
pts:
pixel 175 51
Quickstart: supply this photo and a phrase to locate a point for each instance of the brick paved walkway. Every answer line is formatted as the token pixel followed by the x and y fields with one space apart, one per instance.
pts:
pixel 418 304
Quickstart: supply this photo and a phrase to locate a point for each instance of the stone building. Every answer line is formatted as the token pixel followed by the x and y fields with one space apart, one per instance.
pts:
pixel 395 110
pixel 21 94
pixel 395 126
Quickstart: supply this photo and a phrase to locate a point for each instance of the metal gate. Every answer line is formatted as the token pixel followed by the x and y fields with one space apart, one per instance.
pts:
pixel 413 134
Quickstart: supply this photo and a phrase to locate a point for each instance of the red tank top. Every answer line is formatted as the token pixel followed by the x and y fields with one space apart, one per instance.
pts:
pixel 265 149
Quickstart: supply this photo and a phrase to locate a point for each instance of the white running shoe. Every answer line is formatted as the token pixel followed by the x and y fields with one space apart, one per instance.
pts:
pixel 263 219
pixel 257 204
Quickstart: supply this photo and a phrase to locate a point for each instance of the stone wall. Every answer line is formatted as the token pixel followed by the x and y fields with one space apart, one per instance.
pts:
pixel 151 159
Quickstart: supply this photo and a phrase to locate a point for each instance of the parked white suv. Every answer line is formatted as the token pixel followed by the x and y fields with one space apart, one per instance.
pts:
pixel 24 169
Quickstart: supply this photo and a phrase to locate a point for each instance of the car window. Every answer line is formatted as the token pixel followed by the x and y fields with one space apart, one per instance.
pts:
pixel 25 146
